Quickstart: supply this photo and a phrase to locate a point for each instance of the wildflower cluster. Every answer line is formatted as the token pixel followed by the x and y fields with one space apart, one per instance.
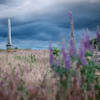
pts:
pixel 77 69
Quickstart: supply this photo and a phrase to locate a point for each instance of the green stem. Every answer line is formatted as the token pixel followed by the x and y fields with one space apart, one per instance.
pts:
pixel 94 98
pixel 86 95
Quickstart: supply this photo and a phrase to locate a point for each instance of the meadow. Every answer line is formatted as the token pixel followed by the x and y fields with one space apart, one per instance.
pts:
pixel 66 73
pixel 24 75
pixel 54 74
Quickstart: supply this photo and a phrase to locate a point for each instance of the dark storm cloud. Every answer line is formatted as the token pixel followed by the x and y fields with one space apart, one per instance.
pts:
pixel 3 1
pixel 38 31
pixel 84 15
pixel 53 24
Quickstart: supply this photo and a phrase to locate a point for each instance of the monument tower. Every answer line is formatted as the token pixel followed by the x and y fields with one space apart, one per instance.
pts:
pixel 71 23
pixel 9 44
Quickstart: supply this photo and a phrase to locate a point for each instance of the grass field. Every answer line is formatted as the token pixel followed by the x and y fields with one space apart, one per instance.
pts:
pixel 34 63
pixel 31 66
pixel 27 75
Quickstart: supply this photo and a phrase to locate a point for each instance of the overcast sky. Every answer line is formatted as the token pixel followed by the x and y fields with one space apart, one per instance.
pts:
pixel 36 22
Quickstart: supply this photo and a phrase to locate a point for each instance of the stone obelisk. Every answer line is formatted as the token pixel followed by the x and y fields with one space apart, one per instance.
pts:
pixel 71 23
pixel 72 28
pixel 9 45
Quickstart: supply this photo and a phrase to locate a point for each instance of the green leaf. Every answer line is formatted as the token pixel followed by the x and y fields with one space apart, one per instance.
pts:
pixel 56 51
pixel 88 53
pixel 97 87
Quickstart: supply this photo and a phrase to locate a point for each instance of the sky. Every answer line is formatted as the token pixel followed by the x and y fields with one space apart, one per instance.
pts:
pixel 37 22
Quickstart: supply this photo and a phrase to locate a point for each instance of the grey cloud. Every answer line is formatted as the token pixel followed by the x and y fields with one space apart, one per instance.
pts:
pixel 49 22
pixel 23 8
pixel 3 1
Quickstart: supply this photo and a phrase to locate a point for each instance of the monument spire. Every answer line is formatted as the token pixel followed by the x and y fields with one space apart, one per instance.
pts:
pixel 71 23
pixel 72 28
pixel 9 45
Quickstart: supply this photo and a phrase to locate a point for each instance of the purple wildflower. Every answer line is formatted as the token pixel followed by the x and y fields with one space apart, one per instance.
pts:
pixel 98 34
pixel 70 15
pixel 67 62
pixel 96 55
pixel 87 41
pixel 51 57
pixel 56 62
pixel 66 58
pixel 83 43
pixel 82 54
pixel 72 48
pixel 63 51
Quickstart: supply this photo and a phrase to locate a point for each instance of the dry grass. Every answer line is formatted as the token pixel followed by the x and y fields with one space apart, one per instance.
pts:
pixel 34 69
